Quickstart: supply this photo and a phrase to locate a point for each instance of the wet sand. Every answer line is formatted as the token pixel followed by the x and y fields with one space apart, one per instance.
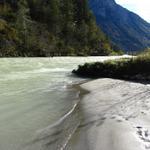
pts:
pixel 115 116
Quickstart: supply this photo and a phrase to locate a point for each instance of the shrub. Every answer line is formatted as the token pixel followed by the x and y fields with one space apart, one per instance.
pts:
pixel 131 68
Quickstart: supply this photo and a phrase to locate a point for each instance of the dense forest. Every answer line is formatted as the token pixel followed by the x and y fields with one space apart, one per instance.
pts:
pixel 50 28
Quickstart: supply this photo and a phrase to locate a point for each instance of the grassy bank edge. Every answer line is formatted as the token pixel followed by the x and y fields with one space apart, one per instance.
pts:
pixel 135 68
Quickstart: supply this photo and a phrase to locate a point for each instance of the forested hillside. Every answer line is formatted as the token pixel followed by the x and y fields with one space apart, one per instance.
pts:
pixel 49 27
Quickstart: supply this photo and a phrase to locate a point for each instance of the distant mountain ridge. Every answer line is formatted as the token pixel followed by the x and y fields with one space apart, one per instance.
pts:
pixel 126 29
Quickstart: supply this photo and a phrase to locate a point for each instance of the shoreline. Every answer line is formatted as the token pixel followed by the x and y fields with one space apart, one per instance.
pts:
pixel 113 116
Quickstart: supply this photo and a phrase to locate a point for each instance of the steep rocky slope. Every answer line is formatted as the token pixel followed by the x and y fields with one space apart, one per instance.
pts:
pixel 125 28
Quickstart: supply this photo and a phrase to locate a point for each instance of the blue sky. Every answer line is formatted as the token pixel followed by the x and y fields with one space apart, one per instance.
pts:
pixel 140 7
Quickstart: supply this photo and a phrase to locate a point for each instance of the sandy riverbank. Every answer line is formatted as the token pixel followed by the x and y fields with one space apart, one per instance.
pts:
pixel 115 116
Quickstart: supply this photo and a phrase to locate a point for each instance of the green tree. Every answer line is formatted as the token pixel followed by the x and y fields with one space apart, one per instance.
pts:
pixel 51 11
pixel 22 20
pixel 68 24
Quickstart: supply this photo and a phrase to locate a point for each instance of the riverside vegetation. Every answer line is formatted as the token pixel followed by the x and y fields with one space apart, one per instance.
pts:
pixel 50 28
pixel 135 68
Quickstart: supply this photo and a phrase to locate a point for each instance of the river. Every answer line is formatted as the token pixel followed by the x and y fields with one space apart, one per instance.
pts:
pixel 38 106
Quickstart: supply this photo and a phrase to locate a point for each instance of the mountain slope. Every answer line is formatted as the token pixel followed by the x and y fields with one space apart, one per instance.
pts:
pixel 126 29
pixel 54 27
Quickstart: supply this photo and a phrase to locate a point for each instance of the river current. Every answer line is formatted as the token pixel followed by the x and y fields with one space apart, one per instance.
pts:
pixel 38 106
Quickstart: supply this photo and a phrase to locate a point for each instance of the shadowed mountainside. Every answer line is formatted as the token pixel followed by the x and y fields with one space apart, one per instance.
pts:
pixel 125 28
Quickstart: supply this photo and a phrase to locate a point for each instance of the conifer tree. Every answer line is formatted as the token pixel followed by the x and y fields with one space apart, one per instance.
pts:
pixel 52 14
pixel 22 20
pixel 68 20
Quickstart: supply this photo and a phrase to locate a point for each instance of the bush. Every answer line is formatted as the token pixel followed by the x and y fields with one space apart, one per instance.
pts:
pixel 131 68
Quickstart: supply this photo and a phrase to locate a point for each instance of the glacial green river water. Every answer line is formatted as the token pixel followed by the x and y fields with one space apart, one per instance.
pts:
pixel 36 102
